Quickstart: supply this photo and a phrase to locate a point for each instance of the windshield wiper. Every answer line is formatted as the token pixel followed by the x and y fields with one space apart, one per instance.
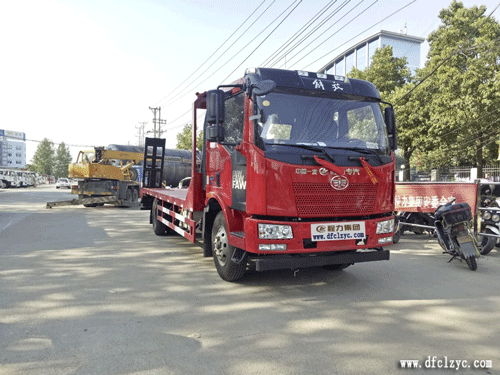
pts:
pixel 310 148
pixel 360 150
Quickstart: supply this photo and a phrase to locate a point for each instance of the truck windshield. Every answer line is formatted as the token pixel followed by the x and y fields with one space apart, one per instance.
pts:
pixel 289 119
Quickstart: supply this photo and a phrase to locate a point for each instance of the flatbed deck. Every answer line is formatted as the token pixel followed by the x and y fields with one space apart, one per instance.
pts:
pixel 175 196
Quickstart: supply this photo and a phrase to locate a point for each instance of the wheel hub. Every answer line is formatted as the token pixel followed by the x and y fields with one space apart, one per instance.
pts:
pixel 221 245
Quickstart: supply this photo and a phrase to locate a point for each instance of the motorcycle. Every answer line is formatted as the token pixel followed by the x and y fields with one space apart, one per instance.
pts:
pixel 489 221
pixel 454 232
pixel 416 222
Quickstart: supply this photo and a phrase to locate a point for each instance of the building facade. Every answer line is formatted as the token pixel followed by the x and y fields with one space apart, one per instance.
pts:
pixel 12 149
pixel 361 54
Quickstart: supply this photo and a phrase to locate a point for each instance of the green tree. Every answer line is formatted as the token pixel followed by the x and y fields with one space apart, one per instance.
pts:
pixel 463 89
pixel 412 121
pixel 392 77
pixel 30 167
pixel 43 160
pixel 62 160
pixel 386 72
pixel 184 138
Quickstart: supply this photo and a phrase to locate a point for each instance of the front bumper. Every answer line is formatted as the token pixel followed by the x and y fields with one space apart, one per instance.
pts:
pixel 276 262
pixel 303 243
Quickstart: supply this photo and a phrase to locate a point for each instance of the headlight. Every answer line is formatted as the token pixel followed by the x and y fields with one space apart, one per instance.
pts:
pixel 275 232
pixel 486 215
pixel 495 218
pixel 386 226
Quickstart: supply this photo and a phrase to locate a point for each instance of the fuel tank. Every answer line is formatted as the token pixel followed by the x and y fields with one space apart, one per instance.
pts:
pixel 176 164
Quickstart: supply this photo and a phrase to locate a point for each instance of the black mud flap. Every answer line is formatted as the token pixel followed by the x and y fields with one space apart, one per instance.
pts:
pixel 469 249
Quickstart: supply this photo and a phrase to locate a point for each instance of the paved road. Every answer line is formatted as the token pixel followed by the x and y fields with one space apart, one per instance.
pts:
pixel 93 291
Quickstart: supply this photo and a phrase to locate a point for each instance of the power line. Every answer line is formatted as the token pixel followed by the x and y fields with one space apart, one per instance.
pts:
pixel 295 1
pixel 300 31
pixel 188 89
pixel 300 1
pixel 234 32
pixel 140 134
pixel 246 45
pixel 316 28
pixel 446 59
pixel 442 63
pixel 158 122
pixel 57 143
pixel 376 23
pixel 338 30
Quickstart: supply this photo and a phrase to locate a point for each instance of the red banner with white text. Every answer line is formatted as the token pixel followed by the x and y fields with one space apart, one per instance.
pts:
pixel 427 196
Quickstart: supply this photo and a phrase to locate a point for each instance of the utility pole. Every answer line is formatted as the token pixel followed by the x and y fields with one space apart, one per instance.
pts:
pixel 158 121
pixel 140 129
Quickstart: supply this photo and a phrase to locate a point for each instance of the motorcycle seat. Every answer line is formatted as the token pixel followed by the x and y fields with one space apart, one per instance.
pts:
pixel 455 213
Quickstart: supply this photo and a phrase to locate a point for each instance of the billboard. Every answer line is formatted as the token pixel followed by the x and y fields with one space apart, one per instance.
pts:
pixel 12 134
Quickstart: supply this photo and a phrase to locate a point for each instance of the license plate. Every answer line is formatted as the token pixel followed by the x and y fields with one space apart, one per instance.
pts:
pixel 353 230
pixel 464 239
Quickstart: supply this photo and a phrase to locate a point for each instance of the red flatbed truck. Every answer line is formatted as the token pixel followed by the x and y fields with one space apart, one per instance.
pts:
pixel 297 171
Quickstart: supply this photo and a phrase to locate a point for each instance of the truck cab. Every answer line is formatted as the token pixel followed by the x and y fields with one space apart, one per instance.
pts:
pixel 299 163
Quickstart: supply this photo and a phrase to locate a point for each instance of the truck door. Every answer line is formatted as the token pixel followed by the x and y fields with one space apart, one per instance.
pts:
pixel 234 124
pixel 226 167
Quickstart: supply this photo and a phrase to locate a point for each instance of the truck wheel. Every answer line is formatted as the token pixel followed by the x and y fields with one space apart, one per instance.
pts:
pixel 223 252
pixel 129 195
pixel 135 195
pixel 158 227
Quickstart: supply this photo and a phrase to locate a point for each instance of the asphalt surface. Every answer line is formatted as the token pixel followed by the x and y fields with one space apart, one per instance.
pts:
pixel 94 291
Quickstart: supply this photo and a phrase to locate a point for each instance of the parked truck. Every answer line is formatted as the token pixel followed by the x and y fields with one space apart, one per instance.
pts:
pixel 104 176
pixel 297 170
pixel 17 178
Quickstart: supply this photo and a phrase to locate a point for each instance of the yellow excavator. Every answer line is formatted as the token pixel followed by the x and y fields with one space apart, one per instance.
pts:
pixel 104 176
pixel 107 164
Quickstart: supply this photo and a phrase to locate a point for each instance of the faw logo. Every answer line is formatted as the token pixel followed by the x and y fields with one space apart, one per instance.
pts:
pixel 339 182
pixel 239 180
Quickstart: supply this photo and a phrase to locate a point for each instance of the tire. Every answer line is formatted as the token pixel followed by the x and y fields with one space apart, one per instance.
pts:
pixel 135 195
pixel 336 267
pixel 133 174
pixel 471 262
pixel 397 236
pixel 222 252
pixel 487 243
pixel 129 195
pixel 159 228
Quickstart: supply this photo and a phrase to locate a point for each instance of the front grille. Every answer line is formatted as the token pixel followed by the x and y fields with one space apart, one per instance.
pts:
pixel 320 199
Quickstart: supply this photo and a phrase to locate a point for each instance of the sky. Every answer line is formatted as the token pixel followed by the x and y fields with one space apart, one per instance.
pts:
pixel 86 72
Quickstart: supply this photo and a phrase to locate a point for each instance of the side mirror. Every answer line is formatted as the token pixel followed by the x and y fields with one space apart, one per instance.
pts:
pixel 390 122
pixel 215 133
pixel 215 107
pixel 263 87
